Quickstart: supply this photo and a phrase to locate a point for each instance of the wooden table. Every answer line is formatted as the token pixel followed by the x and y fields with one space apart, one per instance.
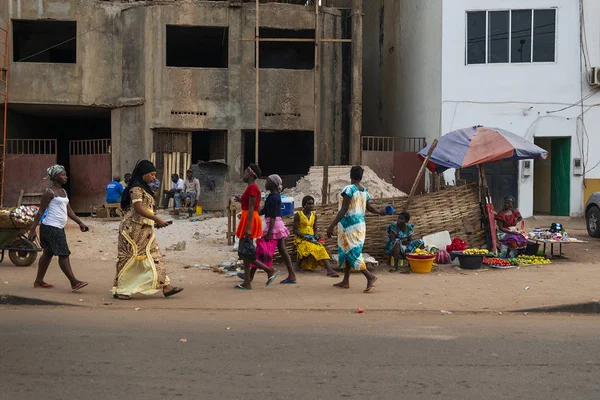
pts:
pixel 553 242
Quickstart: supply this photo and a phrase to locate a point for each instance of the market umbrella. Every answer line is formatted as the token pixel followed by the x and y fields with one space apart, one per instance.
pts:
pixel 477 145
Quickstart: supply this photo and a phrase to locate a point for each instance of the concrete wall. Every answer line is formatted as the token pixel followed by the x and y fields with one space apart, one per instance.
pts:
pixel 121 64
pixel 402 64
pixel 524 98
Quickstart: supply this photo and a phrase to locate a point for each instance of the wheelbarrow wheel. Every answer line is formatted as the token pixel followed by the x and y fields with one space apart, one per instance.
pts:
pixel 22 258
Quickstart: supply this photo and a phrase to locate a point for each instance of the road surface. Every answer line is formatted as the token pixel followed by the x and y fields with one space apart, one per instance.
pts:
pixel 70 353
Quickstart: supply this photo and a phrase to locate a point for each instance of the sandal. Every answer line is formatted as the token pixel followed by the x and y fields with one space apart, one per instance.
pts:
pixel 173 291
pixel 122 296
pixel 370 285
pixel 341 285
pixel 240 287
pixel 79 285
pixel 333 274
pixel 43 286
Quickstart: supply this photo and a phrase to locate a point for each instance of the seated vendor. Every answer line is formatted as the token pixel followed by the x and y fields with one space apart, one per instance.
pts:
pixel 511 240
pixel 400 239
pixel 114 190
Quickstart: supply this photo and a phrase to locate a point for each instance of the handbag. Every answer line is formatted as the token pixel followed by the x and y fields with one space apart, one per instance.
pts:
pixel 246 250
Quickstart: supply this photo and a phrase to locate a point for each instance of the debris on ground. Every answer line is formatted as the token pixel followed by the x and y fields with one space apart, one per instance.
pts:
pixel 339 177
pixel 180 246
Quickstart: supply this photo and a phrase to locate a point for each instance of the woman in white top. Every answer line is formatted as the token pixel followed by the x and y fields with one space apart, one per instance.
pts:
pixel 53 214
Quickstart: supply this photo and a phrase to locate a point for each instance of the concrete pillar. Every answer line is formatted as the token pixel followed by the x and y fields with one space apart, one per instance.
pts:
pixel 356 100
pixel 234 134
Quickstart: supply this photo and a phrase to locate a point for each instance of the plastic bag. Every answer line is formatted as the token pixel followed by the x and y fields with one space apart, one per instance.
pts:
pixel 246 250
pixel 265 251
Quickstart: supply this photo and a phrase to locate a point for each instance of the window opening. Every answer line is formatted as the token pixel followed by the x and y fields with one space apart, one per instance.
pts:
pixel 197 46
pixel 287 55
pixel 40 41
pixel 298 147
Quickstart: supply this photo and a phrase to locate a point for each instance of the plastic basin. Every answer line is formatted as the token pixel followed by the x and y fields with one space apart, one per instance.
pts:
pixel 470 261
pixel 421 264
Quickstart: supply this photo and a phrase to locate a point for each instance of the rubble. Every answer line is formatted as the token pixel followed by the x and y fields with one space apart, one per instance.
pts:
pixel 339 177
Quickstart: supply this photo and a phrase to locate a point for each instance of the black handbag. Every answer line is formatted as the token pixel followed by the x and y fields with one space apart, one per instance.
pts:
pixel 247 250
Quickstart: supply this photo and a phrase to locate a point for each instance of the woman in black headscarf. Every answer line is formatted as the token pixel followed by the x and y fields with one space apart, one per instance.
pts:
pixel 140 266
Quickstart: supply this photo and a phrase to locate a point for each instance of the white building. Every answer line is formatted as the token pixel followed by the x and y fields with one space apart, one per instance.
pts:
pixel 521 65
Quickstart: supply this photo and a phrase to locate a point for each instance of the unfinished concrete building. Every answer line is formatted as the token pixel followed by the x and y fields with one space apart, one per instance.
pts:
pixel 96 85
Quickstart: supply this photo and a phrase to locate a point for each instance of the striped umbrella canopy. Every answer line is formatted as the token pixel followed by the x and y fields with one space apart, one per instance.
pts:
pixel 477 145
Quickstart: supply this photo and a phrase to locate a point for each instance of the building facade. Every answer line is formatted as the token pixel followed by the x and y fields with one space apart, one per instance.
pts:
pixel 136 78
pixel 521 65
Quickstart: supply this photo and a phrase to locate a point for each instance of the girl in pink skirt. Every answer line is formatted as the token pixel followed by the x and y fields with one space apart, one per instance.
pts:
pixel 274 231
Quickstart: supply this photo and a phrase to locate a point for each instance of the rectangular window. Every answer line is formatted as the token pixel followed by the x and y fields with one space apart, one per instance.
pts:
pixel 41 41
pixel 511 36
pixel 197 46
pixel 287 55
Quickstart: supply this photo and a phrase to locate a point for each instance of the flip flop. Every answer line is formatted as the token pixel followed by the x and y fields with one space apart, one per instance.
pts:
pixel 80 285
pixel 341 285
pixel 241 275
pixel 272 278
pixel 240 287
pixel 122 296
pixel 173 291
pixel 287 281
pixel 44 286
pixel 370 286
pixel 333 275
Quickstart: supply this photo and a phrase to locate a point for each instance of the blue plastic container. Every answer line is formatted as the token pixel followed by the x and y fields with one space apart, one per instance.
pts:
pixel 287 206
pixel 390 210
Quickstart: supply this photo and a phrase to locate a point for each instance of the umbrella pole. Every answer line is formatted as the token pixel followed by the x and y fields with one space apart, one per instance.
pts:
pixel 420 174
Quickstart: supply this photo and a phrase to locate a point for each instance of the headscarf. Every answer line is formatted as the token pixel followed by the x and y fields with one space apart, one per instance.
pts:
pixel 276 179
pixel 511 198
pixel 142 167
pixel 53 171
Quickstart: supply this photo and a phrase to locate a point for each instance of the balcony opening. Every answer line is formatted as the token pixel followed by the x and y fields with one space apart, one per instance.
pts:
pixel 40 41
pixel 197 46
pixel 287 55
pixel 281 152
pixel 209 145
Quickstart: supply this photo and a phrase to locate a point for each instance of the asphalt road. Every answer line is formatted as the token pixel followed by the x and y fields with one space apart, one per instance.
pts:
pixel 66 353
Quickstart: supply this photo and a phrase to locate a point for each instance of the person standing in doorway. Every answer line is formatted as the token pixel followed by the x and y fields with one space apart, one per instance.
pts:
pixel 114 191
pixel 175 192
pixel 52 217
pixel 352 230
pixel 191 189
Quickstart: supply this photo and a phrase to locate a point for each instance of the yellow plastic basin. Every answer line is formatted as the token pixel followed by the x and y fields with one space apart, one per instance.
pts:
pixel 421 265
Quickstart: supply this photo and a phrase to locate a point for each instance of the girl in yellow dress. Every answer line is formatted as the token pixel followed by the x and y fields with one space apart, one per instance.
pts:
pixel 310 252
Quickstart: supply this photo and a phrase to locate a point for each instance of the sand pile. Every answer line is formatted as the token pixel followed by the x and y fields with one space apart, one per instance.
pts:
pixel 339 176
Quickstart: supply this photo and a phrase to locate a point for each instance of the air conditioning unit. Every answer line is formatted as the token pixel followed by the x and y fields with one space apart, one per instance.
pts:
pixel 596 76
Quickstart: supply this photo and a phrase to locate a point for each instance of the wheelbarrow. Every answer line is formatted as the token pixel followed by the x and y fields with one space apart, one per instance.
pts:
pixel 21 251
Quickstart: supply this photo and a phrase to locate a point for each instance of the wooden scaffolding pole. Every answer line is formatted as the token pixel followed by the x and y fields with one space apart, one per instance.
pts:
pixel 256 48
pixel 316 89
pixel 357 86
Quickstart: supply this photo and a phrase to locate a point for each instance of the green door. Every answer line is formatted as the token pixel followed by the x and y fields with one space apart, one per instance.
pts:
pixel 561 177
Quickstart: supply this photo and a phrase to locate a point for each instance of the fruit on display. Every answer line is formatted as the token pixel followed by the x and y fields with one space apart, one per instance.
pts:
pixel 457 245
pixel 533 260
pixel 475 252
pixel 496 261
pixel 21 214
pixel 422 252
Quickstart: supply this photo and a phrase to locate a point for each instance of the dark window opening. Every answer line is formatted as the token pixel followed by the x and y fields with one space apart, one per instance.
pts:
pixel 197 46
pixel 544 35
pixel 209 146
pixel 287 55
pixel 498 37
pixel 521 36
pixel 298 147
pixel 476 37
pixel 45 41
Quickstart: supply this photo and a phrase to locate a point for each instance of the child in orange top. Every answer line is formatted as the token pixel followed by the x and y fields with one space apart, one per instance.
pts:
pixel 250 226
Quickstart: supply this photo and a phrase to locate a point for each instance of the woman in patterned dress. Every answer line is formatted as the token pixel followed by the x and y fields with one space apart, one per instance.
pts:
pixel 352 230
pixel 140 266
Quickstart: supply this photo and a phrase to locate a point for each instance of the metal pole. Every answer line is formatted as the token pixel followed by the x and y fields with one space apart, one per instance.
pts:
pixel 357 85
pixel 256 46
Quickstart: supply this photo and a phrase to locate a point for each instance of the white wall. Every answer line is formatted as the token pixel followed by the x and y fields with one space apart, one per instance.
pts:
pixel 519 97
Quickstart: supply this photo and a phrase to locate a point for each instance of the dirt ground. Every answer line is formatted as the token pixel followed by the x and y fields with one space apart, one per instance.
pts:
pixel 565 281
